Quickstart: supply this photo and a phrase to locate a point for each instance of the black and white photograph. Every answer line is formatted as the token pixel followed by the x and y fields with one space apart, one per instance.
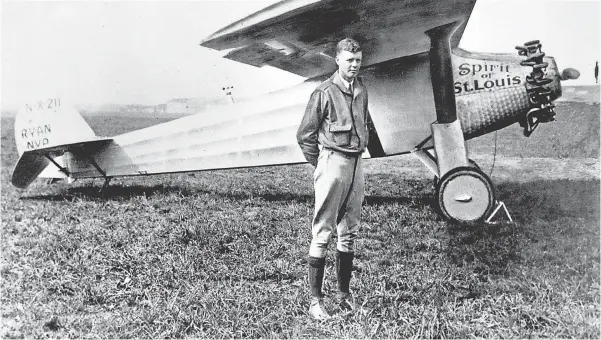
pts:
pixel 300 169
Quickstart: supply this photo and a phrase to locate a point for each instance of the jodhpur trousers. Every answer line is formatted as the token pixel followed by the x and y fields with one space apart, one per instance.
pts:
pixel 339 192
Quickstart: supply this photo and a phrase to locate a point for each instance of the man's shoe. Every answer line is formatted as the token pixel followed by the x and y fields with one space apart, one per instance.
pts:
pixel 317 309
pixel 346 302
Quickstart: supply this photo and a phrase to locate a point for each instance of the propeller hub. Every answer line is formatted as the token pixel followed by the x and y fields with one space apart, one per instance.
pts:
pixel 569 74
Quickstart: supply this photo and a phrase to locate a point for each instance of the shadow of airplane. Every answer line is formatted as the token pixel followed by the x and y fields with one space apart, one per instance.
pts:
pixel 535 205
pixel 124 193
pixel 538 199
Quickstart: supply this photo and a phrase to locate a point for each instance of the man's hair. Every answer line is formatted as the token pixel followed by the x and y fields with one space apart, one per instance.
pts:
pixel 349 45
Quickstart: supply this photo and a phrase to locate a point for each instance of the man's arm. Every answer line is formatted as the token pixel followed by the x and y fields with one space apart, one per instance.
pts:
pixel 309 128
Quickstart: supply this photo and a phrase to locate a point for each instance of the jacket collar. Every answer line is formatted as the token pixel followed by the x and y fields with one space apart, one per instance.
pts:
pixel 336 79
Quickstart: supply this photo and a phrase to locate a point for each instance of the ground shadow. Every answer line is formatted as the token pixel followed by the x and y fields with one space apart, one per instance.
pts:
pixel 491 248
pixel 414 201
pixel 550 199
pixel 525 201
pixel 110 192
pixel 124 193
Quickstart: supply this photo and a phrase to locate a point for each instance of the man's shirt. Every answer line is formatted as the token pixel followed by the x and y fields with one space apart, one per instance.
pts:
pixel 348 85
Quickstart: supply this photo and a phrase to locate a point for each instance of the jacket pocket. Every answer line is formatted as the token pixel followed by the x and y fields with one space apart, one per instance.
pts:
pixel 341 134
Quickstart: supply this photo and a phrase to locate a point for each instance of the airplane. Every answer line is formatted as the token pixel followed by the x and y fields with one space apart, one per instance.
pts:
pixel 427 97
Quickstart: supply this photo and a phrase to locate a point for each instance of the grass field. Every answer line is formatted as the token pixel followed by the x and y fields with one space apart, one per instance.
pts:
pixel 223 253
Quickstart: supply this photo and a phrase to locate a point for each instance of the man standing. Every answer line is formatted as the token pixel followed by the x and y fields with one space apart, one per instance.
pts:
pixel 596 72
pixel 336 118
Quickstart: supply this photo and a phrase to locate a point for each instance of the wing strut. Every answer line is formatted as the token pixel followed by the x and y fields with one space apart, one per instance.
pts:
pixel 98 168
pixel 92 161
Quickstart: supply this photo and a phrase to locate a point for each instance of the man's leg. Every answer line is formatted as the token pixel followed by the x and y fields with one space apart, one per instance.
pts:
pixel 347 233
pixel 332 181
pixel 344 268
pixel 316 272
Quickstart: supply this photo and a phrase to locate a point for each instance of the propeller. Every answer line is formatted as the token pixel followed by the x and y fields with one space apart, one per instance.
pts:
pixel 539 96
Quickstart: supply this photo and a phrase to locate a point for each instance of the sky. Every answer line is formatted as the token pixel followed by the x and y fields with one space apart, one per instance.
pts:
pixel 147 52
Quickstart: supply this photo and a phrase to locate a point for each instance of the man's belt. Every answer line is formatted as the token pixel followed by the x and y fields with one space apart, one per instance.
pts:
pixel 347 154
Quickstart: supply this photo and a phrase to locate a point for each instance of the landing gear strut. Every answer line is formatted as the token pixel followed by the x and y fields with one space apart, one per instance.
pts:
pixel 464 193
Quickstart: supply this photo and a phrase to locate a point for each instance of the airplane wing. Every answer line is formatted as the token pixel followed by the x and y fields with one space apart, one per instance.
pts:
pixel 300 36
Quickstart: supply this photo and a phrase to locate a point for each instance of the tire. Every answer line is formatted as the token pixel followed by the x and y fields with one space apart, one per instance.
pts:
pixel 465 195
pixel 472 163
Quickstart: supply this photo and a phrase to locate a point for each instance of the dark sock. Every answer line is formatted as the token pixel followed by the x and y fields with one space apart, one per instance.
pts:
pixel 316 271
pixel 344 267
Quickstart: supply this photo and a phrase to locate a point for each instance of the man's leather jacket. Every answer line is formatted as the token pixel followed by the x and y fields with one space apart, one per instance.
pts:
pixel 335 118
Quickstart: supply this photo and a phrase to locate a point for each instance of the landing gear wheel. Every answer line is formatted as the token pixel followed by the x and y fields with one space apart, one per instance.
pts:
pixel 465 195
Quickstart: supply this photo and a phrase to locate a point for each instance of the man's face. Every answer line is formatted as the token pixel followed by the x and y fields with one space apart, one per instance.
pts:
pixel 349 64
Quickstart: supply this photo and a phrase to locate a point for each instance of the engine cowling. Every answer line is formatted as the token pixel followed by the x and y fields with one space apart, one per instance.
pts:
pixel 493 91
